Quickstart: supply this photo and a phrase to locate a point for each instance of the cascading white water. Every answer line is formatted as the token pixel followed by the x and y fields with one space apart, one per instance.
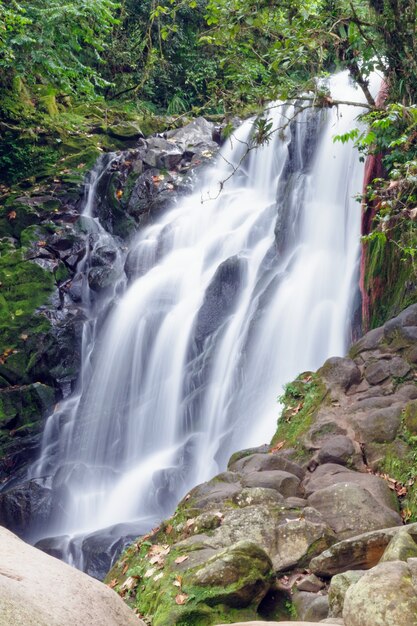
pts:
pixel 234 296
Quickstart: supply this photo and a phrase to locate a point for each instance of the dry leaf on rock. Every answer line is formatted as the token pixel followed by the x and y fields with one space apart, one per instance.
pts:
pixel 181 598
pixel 181 559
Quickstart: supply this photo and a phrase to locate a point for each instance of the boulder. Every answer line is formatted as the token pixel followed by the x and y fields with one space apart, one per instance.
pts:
pixel 126 131
pixel 237 576
pixel 340 372
pixel 285 483
pixel 379 425
pixel 400 548
pixel 264 462
pixel 349 508
pixel 338 449
pixel 26 505
pixel 38 590
pixel 360 552
pixel 339 585
pixel 333 623
pixel 377 371
pixel 310 607
pixel 387 594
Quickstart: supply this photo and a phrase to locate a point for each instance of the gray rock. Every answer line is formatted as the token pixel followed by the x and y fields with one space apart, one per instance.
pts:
pixel 285 483
pixel 332 474
pixel 349 508
pixel 385 595
pixel 377 371
pixel 369 342
pixel 399 367
pixel 310 607
pixel 38 590
pixel 338 449
pixel 342 372
pixel 400 548
pixel 310 583
pixel 359 552
pixel 297 540
pixel 379 426
pixel 125 131
pixel 197 132
pixel 258 495
pixel 239 575
pixel 270 461
pixel 339 585
pixel 334 622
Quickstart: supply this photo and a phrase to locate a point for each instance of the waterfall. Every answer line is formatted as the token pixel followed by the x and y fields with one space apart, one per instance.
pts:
pixel 236 292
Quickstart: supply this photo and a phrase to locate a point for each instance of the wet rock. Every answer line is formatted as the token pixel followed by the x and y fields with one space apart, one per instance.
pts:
pixel 359 552
pixel 199 131
pixel 125 131
pixel 161 154
pixel 339 585
pixel 27 505
pixel 387 594
pixel 341 372
pixel 220 298
pixel 100 278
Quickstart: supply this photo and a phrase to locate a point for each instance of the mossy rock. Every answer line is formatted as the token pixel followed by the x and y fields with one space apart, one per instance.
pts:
pixel 126 131
pixel 301 401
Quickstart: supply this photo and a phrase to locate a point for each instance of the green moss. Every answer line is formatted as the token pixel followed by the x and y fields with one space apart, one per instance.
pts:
pixel 403 468
pixel 301 401
pixel 390 275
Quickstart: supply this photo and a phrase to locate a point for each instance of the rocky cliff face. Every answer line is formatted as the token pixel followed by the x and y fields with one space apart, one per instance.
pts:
pixel 289 529
pixel 42 241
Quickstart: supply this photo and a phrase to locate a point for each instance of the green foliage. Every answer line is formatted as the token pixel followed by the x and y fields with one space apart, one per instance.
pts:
pixel 300 401
pixel 57 44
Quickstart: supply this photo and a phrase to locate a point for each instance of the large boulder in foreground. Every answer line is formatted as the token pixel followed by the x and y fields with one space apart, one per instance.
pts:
pixel 38 590
pixel 385 595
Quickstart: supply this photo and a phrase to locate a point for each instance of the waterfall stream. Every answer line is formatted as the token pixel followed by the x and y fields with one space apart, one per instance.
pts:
pixel 235 294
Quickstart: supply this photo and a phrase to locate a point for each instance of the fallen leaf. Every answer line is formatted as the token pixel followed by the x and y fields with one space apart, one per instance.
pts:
pixel 181 598
pixel 129 584
pixel 125 568
pixel 24 337
pixel 119 194
pixel 150 572
pixel 169 529
pixel 80 166
pixel 12 215
pixel 277 446
pixel 158 576
pixel 158 550
pixel 112 583
pixel 41 244
pixel 181 559
pixel 177 583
